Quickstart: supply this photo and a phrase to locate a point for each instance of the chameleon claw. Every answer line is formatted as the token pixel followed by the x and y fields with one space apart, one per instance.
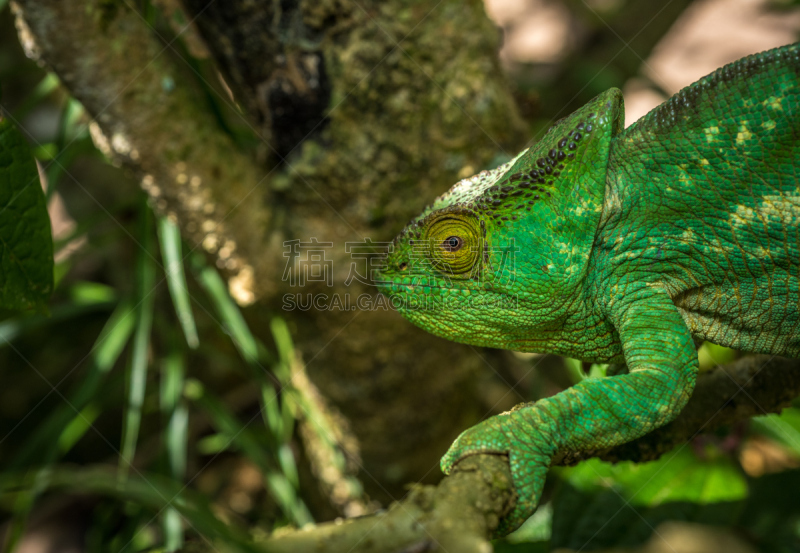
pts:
pixel 486 437
pixel 528 458
pixel 594 276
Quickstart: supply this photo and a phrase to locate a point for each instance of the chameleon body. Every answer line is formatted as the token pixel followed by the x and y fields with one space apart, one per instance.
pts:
pixel 622 246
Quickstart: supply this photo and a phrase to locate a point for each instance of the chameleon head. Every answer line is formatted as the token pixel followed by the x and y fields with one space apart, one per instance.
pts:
pixel 497 260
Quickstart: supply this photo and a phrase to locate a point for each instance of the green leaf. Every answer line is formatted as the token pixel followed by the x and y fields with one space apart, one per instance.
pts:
pixel 538 528
pixel 26 246
pixel 783 428
pixel 711 355
pixel 175 409
pixel 114 336
pixel 600 504
pixel 45 152
pixel 173 529
pixel 90 293
pixel 283 340
pixel 78 427
pixel 677 476
pixel 574 369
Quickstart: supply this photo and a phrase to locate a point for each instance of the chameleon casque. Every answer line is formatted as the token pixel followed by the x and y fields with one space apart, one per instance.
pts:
pixel 623 246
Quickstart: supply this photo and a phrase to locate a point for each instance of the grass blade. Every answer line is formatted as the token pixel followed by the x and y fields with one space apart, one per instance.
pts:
pixel 283 340
pixel 151 490
pixel 78 427
pixel 12 328
pixel 277 483
pixel 170 239
pixel 63 428
pixel 232 319
pixel 145 277
pixel 174 408
pixel 46 86
pixel 42 446
pixel 114 336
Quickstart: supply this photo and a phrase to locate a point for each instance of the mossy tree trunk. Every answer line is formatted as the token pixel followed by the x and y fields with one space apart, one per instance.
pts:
pixel 354 116
pixel 337 121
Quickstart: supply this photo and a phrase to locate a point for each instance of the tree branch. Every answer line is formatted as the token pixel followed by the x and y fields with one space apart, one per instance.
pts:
pixel 461 513
pixel 457 515
pixel 417 100
pixel 152 118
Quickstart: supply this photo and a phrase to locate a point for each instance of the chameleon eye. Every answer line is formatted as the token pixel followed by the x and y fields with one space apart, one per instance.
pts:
pixel 453 243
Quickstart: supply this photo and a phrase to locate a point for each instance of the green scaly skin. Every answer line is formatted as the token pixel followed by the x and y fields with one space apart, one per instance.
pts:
pixel 619 246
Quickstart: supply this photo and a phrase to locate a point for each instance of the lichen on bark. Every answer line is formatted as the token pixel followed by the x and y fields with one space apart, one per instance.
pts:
pixel 416 101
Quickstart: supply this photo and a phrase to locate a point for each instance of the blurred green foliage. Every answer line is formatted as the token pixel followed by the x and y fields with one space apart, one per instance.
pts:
pixel 136 354
pixel 146 390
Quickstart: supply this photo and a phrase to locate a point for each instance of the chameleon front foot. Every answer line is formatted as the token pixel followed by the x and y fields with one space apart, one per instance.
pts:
pixel 528 452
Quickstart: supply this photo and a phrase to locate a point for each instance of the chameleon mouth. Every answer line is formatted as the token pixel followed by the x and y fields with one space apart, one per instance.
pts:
pixel 441 301
pixel 394 285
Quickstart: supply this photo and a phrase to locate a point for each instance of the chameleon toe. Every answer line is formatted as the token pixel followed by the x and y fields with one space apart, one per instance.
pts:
pixel 619 245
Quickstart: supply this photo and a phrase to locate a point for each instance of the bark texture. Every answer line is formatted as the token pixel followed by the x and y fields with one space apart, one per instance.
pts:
pixel 478 490
pixel 359 113
pixel 413 100
pixel 457 515
pixel 149 117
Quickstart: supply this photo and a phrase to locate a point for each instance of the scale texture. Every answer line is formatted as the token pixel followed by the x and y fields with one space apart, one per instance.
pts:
pixel 622 246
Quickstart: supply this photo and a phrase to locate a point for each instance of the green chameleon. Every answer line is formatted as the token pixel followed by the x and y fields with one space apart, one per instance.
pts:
pixel 623 246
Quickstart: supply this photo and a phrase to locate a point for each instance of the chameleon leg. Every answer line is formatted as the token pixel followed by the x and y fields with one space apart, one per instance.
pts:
pixel 523 435
pixel 596 413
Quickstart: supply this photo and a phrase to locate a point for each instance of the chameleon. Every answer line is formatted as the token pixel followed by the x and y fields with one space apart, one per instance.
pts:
pixel 626 246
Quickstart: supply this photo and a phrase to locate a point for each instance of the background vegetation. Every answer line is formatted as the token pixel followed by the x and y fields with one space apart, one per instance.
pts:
pixel 163 398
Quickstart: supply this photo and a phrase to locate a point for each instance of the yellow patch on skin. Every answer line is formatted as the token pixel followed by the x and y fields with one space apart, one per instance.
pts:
pixel 704 162
pixel 744 134
pixel 774 102
pixel 769 125
pixel 742 216
pixel 612 200
pixel 785 209
pixel 772 208
pixel 711 133
pixel 684 177
pixel 564 248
